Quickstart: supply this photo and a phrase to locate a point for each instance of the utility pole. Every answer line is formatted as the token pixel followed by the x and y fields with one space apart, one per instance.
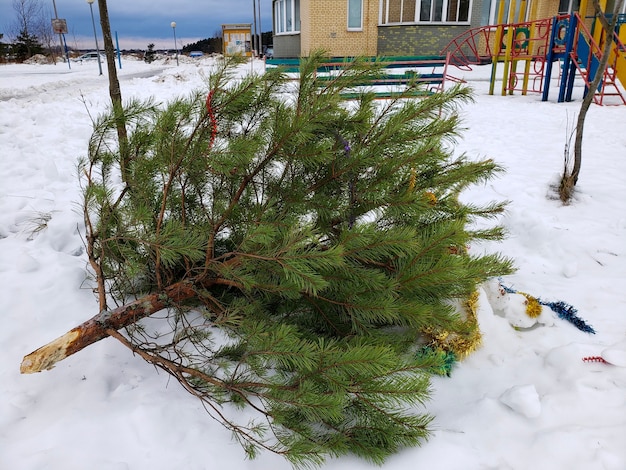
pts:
pixel 254 37
pixel 260 31
pixel 63 51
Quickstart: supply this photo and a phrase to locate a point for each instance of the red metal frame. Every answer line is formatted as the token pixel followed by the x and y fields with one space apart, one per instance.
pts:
pixel 609 79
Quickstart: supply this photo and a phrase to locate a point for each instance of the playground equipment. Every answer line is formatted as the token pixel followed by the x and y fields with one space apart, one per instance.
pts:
pixel 539 44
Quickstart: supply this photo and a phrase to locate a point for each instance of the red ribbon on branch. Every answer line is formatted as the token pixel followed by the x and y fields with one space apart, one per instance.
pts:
pixel 209 109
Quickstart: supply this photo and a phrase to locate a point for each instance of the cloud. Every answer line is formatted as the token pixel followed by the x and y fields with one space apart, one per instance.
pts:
pixel 149 20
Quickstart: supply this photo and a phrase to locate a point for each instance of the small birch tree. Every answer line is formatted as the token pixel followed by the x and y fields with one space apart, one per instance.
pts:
pixel 570 178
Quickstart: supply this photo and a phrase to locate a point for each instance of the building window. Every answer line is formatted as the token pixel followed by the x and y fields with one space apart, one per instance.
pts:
pixel 568 6
pixel 286 16
pixel 425 11
pixel 355 14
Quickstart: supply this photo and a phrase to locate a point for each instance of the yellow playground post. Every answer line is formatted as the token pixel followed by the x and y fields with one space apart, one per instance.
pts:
pixel 509 46
pixel 521 16
pixel 496 46
pixel 597 30
pixel 618 56
pixel 533 33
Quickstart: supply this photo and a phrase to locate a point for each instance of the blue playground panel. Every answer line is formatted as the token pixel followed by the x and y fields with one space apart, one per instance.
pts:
pixel 592 63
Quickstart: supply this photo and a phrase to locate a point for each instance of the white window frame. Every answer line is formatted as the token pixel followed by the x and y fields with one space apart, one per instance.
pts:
pixel 355 28
pixel 444 13
pixel 282 24
pixel 383 18
pixel 384 15
pixel 493 12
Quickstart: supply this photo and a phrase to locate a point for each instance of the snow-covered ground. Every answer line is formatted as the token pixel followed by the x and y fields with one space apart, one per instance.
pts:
pixel 524 400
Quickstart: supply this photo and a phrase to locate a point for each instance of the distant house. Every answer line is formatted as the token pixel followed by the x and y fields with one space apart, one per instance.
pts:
pixel 392 27
pixel 236 39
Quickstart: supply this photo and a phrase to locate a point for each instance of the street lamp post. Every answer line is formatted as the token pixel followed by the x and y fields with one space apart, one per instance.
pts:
pixel 95 35
pixel 255 42
pixel 173 25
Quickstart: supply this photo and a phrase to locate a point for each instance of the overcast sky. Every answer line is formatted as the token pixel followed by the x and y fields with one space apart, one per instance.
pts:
pixel 140 22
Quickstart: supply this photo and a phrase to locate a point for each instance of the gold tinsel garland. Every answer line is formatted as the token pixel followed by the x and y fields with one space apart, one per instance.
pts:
pixel 460 343
pixel 533 307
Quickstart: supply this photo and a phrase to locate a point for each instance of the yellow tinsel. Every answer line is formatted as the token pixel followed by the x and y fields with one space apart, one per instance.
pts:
pixel 461 344
pixel 412 180
pixel 432 199
pixel 533 307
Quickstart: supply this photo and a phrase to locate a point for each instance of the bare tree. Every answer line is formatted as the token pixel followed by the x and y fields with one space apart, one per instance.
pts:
pixel 25 29
pixel 28 16
pixel 43 31
pixel 569 179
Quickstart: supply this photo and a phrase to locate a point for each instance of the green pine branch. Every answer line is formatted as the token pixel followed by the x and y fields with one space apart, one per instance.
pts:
pixel 322 239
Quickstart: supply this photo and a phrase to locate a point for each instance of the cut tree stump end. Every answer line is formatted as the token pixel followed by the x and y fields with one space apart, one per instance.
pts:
pixel 47 356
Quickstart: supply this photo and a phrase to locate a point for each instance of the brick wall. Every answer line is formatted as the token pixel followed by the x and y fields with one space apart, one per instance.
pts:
pixel 423 39
pixel 325 26
pixel 477 13
pixel 416 40
pixel 550 8
pixel 547 9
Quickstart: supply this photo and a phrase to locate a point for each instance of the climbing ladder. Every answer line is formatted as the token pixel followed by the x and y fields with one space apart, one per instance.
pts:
pixel 583 56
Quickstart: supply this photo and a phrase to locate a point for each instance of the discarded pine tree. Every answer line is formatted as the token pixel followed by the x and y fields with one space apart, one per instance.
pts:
pixel 299 248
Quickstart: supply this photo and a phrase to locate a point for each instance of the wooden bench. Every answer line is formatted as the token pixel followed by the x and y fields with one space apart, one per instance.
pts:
pixel 431 70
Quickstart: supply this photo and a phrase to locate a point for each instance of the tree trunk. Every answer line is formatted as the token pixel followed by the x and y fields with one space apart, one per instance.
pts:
pixel 95 329
pixel 114 85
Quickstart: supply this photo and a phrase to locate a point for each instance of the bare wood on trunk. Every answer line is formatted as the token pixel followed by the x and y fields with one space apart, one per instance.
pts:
pixel 95 329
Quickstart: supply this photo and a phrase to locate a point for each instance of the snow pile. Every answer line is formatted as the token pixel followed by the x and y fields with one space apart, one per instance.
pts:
pixel 38 59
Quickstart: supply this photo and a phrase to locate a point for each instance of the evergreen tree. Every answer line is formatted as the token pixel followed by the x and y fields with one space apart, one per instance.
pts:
pixel 208 45
pixel 319 241
pixel 26 45
pixel 3 49
pixel 150 53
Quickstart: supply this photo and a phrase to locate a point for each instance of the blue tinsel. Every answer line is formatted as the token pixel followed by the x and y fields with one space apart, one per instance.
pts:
pixel 567 312
pixel 563 310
